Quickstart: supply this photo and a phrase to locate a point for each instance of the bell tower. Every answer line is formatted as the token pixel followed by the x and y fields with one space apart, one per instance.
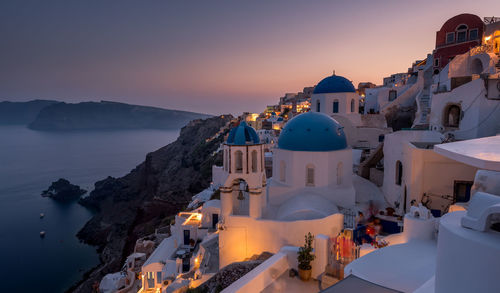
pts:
pixel 244 189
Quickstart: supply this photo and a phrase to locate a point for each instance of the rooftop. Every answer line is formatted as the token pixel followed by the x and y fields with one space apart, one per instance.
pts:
pixel 483 153
pixel 334 84
pixel 312 132
pixel 403 267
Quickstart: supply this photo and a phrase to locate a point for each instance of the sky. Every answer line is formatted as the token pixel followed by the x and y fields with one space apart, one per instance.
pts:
pixel 209 56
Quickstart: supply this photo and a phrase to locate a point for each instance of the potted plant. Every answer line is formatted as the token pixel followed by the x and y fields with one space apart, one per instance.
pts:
pixel 305 257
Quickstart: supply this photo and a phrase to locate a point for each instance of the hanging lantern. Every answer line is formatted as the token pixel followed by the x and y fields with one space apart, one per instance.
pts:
pixel 240 195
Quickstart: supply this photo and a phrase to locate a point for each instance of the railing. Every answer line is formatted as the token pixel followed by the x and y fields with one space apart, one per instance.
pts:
pixel 349 219
pixel 485 48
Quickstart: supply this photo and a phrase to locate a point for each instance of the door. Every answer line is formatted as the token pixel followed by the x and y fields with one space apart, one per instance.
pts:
pixel 461 191
pixel 187 237
pixel 215 220
pixel 335 107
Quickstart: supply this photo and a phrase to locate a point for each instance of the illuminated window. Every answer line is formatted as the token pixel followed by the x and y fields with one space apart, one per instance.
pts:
pixel 239 161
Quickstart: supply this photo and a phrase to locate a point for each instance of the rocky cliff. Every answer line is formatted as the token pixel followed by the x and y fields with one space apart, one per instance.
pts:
pixel 23 113
pixel 109 115
pixel 134 205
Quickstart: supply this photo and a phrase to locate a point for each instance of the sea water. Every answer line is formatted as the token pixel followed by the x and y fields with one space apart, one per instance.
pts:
pixel 29 162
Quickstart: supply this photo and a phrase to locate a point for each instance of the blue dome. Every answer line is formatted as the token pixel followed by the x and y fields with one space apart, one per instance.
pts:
pixel 334 84
pixel 242 135
pixel 312 132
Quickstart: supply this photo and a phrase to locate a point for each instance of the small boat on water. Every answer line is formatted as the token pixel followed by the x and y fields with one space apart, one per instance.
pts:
pixel 42 234
pixel 42 215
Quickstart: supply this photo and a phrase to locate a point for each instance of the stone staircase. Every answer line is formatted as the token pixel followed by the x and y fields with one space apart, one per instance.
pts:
pixel 425 107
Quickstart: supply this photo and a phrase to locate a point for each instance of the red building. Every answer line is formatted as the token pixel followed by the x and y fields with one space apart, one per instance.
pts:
pixel 457 36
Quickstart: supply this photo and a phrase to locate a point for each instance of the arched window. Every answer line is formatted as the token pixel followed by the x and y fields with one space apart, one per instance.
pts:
pixel 318 104
pixel 451 117
pixel 310 175
pixel 226 160
pixel 254 161
pixel 335 106
pixel 238 161
pixel 282 171
pixel 476 66
pixel 339 173
pixel 352 106
pixel 399 172
pixel 461 33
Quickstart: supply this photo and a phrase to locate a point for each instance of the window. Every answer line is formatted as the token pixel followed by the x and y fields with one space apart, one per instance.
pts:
pixel 158 277
pixel 473 34
pixel 339 173
pixel 461 33
pixel 399 172
pixel 239 161
pixel 310 175
pixel 254 161
pixel 336 106
pixel 226 159
pixel 451 117
pixel 393 94
pixel 318 106
pixel 282 171
pixel 450 38
pixel 436 62
pixel 461 190
pixel 352 106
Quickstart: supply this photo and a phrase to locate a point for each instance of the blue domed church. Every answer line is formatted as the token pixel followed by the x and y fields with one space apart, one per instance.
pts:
pixel 312 178
pixel 336 97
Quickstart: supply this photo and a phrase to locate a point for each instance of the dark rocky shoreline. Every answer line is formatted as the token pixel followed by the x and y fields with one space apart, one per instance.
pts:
pixel 63 190
pixel 132 206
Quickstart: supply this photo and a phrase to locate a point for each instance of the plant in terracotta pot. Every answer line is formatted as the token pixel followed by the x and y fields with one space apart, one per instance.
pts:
pixel 305 257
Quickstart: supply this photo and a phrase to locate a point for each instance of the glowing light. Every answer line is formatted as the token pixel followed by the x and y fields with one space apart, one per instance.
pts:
pixel 487 38
pixel 192 218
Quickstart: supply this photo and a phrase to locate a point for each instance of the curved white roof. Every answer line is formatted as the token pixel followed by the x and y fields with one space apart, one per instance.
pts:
pixel 483 153
pixel 306 207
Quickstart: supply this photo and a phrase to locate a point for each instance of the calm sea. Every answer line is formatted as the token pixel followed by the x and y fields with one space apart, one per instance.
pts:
pixel 29 162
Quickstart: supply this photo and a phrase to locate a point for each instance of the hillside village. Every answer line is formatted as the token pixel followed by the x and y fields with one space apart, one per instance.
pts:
pixel 380 188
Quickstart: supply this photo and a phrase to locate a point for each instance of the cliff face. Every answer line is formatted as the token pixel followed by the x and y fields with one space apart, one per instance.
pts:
pixel 132 206
pixel 12 113
pixel 109 115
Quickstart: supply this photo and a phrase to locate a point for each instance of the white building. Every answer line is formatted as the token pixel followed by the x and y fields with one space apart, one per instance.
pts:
pixel 465 100
pixel 464 255
pixel 302 197
pixel 336 97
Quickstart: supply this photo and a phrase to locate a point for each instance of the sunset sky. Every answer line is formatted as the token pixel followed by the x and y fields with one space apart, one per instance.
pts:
pixel 209 56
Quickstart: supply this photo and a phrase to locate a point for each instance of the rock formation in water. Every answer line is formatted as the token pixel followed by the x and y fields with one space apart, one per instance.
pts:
pixel 109 115
pixel 132 206
pixel 63 190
